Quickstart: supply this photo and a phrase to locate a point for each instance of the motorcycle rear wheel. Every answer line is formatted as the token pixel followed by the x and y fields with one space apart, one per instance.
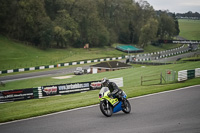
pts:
pixel 106 108
pixel 127 107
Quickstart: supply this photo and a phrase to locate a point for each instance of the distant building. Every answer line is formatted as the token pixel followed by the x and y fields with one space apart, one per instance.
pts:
pixel 108 66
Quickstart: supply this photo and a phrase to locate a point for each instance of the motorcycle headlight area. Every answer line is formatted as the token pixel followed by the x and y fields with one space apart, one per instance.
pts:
pixel 100 96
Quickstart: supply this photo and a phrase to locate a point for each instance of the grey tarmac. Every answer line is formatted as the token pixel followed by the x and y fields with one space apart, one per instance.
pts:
pixel 176 111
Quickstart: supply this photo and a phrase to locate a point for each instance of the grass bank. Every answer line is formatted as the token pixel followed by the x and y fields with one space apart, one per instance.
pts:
pixel 189 29
pixel 30 108
pixel 130 75
pixel 15 55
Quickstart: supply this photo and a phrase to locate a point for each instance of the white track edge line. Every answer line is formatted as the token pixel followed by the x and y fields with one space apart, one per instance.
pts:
pixel 95 105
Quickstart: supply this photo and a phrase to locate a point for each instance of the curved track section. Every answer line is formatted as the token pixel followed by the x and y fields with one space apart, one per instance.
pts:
pixel 175 111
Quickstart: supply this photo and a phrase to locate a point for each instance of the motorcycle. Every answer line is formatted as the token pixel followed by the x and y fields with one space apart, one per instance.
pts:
pixel 110 105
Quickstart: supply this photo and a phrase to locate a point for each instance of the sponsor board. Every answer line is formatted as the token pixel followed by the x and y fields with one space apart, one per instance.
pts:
pixel 180 41
pixel 74 87
pixel 49 90
pixel 95 85
pixel 14 95
pixel 118 81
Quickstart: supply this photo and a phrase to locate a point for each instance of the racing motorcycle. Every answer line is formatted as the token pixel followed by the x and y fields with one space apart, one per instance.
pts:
pixel 110 105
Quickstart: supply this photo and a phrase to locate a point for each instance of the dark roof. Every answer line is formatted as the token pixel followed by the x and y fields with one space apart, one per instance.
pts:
pixel 112 64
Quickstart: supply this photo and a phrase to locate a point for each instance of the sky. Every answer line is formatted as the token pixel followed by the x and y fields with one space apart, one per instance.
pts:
pixel 177 6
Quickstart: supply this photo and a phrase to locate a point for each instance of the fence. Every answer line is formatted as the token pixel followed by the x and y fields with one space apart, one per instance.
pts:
pixel 43 91
pixel 150 63
pixel 139 57
pixel 188 74
pixel 61 65
pixel 152 79
pixel 170 76
pixel 20 94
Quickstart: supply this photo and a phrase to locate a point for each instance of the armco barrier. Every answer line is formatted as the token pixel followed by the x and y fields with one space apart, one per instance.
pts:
pixel 40 92
pixel 20 94
pixel 35 93
pixel 188 74
pixel 75 87
pixel 197 72
pixel 60 65
pixel 139 57
pixel 151 63
pixel 182 75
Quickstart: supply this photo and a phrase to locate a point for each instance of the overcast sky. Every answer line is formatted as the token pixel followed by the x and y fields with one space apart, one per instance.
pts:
pixel 177 6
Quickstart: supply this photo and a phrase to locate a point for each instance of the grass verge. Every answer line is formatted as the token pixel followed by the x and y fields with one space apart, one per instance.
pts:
pixel 36 107
pixel 30 108
pixel 189 29
pixel 14 55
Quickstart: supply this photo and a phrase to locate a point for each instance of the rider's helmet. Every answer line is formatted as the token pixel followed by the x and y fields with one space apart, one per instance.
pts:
pixel 105 82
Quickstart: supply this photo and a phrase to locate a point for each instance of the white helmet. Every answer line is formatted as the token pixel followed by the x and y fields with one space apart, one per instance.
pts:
pixel 105 82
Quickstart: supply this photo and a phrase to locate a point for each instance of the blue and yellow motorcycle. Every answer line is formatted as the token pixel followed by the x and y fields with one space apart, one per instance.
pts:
pixel 110 105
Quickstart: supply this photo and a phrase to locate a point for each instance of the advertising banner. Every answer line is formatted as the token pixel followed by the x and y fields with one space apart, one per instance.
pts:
pixel 49 90
pixel 95 85
pixel 14 95
pixel 180 41
pixel 74 87
pixel 118 81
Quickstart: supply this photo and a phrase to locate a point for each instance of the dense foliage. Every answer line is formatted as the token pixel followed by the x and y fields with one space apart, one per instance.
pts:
pixel 62 23
pixel 189 15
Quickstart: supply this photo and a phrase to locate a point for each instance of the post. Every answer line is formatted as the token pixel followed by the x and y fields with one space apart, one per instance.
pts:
pixel 141 80
pixel 161 78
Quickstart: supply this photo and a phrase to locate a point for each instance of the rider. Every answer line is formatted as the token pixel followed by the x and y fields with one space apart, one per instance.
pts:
pixel 114 89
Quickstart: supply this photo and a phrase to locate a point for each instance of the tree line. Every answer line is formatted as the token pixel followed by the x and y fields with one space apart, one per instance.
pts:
pixel 63 23
pixel 188 15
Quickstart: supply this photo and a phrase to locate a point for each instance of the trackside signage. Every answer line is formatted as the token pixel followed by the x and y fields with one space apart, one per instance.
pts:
pixel 95 85
pixel 74 87
pixel 44 91
pixel 49 90
pixel 118 81
pixel 14 95
pixel 70 88
pixel 180 41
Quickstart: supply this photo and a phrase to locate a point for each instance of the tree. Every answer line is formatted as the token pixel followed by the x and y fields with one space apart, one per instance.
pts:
pixel 61 36
pixel 66 27
pixel 177 30
pixel 148 32
pixel 166 28
pixel 46 23
pixel 145 25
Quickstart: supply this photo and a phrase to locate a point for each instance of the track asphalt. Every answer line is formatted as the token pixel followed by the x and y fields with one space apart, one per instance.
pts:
pixel 176 111
pixel 39 74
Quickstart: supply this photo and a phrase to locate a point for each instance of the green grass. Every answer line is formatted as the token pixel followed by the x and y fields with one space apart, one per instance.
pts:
pixel 151 48
pixel 36 107
pixel 189 29
pixel 127 74
pixel 194 58
pixel 15 55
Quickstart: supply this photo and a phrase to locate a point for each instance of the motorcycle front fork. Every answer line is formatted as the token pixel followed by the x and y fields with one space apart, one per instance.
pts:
pixel 107 106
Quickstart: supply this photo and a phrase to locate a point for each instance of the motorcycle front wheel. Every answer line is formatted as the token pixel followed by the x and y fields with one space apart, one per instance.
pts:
pixel 106 108
pixel 127 107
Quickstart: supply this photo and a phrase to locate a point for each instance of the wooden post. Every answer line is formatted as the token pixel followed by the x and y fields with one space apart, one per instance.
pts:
pixel 160 78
